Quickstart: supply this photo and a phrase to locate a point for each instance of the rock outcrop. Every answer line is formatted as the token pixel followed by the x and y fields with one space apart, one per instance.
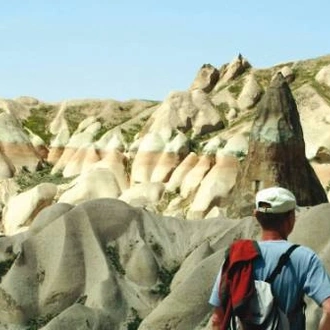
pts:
pixel 276 154
pixel 106 265
pixel 206 78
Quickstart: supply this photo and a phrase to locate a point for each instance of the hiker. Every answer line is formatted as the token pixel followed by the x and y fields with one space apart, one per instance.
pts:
pixel 303 272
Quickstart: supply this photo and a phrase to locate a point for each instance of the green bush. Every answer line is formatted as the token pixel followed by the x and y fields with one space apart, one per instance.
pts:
pixel 165 277
pixel 39 322
pixel 113 256
pixel 38 122
pixel 134 320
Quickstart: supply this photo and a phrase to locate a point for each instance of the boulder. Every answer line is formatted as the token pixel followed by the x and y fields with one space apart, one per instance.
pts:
pixel 15 219
pixel 16 145
pixel 97 183
pixel 237 67
pixel 117 163
pixel 145 194
pixel 250 93
pixel 288 74
pixel 206 78
pixel 323 76
pixel 313 112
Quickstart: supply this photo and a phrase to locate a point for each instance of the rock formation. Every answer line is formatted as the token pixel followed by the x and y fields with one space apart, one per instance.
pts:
pixel 276 154
pixel 206 78
pixel 106 265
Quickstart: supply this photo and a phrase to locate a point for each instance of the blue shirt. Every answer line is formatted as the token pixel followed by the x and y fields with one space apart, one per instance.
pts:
pixel 303 274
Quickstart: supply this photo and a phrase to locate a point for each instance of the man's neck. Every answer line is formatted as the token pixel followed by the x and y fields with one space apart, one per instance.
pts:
pixel 269 235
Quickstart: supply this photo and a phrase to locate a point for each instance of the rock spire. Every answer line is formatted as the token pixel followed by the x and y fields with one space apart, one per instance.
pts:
pixel 276 154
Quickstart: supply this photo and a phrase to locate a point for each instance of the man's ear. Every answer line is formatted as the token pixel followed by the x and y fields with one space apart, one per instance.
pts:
pixel 255 212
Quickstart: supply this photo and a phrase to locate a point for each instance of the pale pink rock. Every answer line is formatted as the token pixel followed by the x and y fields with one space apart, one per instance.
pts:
pixel 181 171
pixel 116 162
pixel 193 179
pixel 215 186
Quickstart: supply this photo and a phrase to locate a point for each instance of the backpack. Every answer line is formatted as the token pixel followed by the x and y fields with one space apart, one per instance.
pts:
pixel 262 312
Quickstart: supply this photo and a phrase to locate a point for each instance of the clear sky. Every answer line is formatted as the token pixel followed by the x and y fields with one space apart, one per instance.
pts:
pixel 124 49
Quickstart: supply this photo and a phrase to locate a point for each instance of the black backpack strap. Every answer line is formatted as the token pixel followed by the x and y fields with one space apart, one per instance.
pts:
pixel 282 261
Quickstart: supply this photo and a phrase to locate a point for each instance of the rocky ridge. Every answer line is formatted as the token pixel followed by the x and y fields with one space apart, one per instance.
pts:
pixel 109 185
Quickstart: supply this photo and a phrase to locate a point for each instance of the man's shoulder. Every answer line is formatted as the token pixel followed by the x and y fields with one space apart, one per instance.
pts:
pixel 281 246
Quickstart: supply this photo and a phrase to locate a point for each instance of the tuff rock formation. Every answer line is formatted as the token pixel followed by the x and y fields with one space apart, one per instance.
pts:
pixel 206 78
pixel 276 154
pixel 105 265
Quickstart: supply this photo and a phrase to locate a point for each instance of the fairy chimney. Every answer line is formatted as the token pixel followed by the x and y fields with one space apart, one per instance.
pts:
pixel 276 154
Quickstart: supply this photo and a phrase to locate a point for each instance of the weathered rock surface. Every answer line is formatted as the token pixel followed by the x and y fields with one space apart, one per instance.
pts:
pixel 323 76
pixel 206 78
pixel 54 263
pixel 276 154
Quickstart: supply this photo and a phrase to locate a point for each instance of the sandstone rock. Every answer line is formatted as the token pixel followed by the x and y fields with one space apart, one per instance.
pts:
pixel 215 186
pixel 211 147
pixel 14 109
pixel 224 97
pixel 194 177
pixel 323 76
pixel 173 153
pixel 16 145
pixel 81 161
pixel 7 169
pixel 322 171
pixel 77 141
pixel 31 202
pixel 288 74
pixel 148 154
pixel 276 154
pixel 185 110
pixel 97 183
pixel 57 257
pixel 116 162
pixel 111 140
pixel 237 145
pixel 181 171
pixel 208 118
pixel 232 114
pixel 38 144
pixel 143 194
pixel 313 111
pixel 250 93
pixel 8 189
pixel 206 78
pixel 238 66
pixel 28 100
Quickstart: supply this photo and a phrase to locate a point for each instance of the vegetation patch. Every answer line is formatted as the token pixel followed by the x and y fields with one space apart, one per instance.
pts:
pixel 39 322
pixel 165 277
pixel 27 180
pixel 39 120
pixel 236 88
pixel 5 266
pixel 167 197
pixel 133 320
pixel 130 133
pixel 74 116
pixel 113 256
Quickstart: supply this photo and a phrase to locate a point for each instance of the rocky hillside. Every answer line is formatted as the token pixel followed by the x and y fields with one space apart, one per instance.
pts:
pixel 109 186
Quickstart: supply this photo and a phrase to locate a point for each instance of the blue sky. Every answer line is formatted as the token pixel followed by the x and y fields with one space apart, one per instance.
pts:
pixel 124 49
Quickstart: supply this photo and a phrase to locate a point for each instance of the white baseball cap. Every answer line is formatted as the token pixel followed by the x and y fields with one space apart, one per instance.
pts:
pixel 280 200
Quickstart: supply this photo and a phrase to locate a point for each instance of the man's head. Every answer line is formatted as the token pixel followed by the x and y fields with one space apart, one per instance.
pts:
pixel 274 207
